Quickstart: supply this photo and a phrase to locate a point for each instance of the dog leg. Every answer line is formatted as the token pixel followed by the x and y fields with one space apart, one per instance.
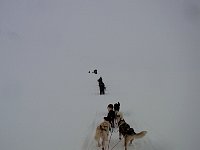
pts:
pixel 104 145
pixel 131 141
pixel 125 142
pixel 99 144
pixel 125 146
pixel 120 136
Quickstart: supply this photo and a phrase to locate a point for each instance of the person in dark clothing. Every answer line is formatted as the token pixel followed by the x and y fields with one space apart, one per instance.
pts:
pixel 101 86
pixel 111 115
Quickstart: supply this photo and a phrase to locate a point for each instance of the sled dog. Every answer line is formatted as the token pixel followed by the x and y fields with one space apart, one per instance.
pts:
pixel 116 110
pixel 102 133
pixel 128 133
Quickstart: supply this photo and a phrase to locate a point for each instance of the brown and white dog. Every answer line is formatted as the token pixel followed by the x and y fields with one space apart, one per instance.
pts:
pixel 127 132
pixel 102 133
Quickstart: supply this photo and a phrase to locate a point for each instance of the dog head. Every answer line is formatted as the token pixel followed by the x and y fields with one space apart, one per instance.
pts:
pixel 104 126
pixel 119 116
pixel 117 106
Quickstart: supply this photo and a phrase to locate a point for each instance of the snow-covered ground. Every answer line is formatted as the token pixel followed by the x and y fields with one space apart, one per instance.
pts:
pixel 146 51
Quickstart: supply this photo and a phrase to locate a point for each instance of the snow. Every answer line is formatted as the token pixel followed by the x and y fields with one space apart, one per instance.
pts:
pixel 147 53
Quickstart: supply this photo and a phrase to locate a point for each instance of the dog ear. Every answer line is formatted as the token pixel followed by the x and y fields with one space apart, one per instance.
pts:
pixel 118 103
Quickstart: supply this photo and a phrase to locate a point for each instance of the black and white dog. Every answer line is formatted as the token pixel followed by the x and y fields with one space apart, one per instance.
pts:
pixel 127 132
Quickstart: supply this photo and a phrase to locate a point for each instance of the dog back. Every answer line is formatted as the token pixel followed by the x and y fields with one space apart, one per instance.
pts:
pixel 123 127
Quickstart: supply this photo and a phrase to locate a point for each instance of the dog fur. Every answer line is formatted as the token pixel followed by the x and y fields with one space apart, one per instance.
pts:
pixel 128 138
pixel 102 133
pixel 118 117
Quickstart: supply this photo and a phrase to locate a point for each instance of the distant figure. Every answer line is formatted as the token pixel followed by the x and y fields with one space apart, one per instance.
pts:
pixel 111 115
pixel 101 86
pixel 95 71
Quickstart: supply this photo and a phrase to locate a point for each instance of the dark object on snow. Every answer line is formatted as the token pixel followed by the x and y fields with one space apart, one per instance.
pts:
pixel 116 106
pixel 101 86
pixel 95 71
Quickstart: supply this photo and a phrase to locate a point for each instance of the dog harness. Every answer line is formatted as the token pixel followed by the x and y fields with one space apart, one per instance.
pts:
pixel 125 129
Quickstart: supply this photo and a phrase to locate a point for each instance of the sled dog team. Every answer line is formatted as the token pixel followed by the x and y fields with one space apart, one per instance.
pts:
pixel 115 118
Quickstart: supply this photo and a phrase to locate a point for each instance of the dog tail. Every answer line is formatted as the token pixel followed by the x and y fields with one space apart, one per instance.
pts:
pixel 140 135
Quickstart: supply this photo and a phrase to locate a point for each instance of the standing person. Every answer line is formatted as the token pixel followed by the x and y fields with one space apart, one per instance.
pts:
pixel 111 115
pixel 101 86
